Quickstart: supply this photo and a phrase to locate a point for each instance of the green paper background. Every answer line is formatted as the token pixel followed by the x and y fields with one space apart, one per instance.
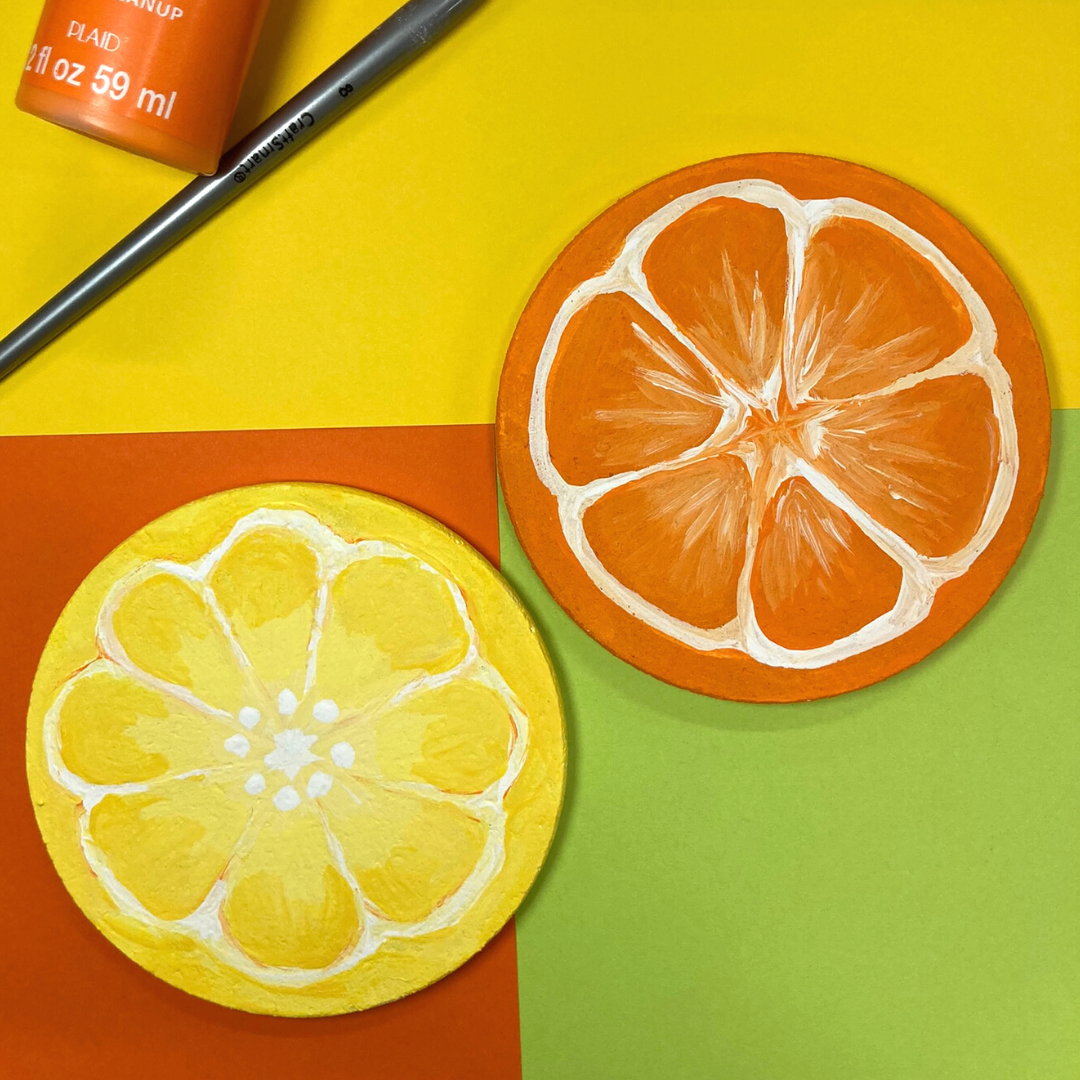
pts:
pixel 881 886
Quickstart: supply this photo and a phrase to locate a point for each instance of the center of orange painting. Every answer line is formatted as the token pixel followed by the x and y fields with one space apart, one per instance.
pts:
pixel 768 433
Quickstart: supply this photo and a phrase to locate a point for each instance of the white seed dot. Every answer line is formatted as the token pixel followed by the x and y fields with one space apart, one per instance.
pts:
pixel 238 745
pixel 325 711
pixel 319 784
pixel 249 717
pixel 256 783
pixel 286 703
pixel 342 754
pixel 287 799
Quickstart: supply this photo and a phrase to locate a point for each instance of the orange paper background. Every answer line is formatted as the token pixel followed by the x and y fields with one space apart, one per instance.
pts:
pixel 69 1001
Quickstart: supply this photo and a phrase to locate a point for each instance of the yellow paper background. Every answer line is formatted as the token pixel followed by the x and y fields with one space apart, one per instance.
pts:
pixel 376 278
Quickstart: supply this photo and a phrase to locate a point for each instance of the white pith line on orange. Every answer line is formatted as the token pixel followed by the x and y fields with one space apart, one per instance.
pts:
pixel 922 575
pixel 205 924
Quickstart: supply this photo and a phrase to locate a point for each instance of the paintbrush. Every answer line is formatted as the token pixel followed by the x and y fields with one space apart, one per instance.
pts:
pixel 387 48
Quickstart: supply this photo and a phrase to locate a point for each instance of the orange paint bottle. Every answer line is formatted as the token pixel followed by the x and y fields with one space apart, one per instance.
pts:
pixel 158 78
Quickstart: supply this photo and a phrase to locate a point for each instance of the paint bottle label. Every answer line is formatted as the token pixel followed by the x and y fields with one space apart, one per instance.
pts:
pixel 153 76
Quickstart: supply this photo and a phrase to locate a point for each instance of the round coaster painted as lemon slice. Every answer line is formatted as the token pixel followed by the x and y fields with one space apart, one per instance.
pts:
pixel 296 749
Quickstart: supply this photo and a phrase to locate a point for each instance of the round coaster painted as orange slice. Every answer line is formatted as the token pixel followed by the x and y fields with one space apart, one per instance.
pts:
pixel 773 427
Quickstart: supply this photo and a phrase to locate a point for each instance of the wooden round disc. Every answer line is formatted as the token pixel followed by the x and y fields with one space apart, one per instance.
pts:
pixel 296 749
pixel 773 427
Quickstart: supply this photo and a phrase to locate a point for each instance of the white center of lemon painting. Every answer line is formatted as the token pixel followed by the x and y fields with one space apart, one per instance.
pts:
pixel 291 753
pixel 291 750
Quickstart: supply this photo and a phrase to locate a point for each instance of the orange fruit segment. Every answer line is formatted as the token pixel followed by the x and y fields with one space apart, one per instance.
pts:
pixel 690 530
pixel 720 272
pixel 773 427
pixel 817 578
pixel 643 397
pixel 870 310
pixel 922 461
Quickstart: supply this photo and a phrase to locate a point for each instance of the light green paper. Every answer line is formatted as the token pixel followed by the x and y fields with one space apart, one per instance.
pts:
pixel 881 886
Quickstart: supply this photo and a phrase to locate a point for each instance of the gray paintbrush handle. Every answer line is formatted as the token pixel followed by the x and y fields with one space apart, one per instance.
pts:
pixel 389 46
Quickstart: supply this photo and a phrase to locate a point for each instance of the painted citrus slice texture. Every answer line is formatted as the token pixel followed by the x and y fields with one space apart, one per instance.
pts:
pixel 761 421
pixel 297 749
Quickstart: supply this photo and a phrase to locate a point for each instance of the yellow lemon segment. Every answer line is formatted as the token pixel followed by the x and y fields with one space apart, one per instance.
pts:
pixel 115 730
pixel 456 737
pixel 409 854
pixel 288 905
pixel 169 632
pixel 389 621
pixel 296 749
pixel 266 585
pixel 168 846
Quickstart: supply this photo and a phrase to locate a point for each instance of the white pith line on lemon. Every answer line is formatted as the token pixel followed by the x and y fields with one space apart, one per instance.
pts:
pixel 333 554
pixel 922 575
